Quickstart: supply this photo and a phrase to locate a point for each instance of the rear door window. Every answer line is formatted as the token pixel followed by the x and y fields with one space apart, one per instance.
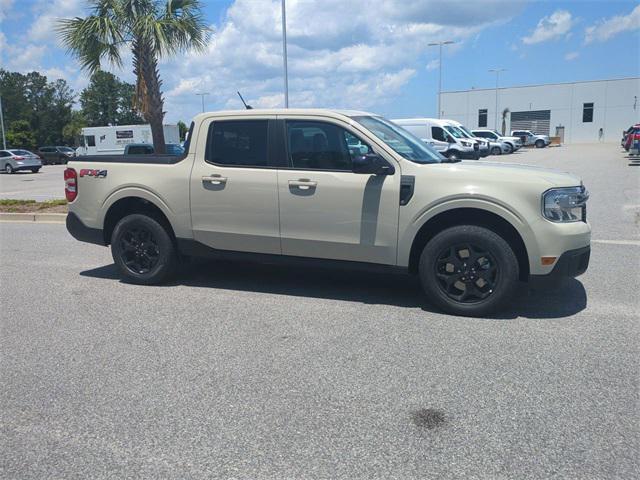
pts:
pixel 241 143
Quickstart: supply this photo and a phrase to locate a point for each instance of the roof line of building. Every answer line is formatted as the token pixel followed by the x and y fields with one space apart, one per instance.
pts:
pixel 541 85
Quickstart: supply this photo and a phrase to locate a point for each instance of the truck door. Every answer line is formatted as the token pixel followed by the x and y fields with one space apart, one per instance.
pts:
pixel 326 210
pixel 234 189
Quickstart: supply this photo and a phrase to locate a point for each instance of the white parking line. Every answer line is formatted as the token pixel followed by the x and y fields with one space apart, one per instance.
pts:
pixel 618 242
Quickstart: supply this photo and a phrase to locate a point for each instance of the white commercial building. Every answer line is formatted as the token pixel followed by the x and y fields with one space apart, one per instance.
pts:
pixel 575 111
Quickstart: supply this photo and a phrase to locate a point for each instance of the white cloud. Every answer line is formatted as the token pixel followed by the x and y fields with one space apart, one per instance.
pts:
pixel 5 7
pixel 558 24
pixel 49 13
pixel 571 56
pixel 341 54
pixel 610 27
pixel 433 65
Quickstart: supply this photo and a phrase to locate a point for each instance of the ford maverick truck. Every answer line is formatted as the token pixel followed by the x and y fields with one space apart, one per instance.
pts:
pixel 287 185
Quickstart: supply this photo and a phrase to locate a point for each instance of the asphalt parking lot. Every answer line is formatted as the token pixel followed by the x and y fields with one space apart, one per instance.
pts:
pixel 255 372
pixel 47 184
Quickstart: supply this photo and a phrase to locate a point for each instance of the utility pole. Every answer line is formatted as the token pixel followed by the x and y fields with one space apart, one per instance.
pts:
pixel 497 72
pixel 440 44
pixel 284 55
pixel 4 137
pixel 202 95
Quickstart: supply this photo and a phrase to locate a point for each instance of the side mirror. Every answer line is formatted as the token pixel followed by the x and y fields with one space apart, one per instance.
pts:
pixel 372 164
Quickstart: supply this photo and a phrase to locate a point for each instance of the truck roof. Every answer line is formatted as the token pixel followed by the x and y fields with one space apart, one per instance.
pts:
pixel 283 111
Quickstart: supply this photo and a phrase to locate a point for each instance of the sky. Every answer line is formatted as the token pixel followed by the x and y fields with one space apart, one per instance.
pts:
pixel 358 54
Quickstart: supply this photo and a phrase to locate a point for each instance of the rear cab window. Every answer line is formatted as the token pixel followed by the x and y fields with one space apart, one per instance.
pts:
pixel 240 143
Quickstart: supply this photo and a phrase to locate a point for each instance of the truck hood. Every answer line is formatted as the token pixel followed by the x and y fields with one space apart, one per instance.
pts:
pixel 514 172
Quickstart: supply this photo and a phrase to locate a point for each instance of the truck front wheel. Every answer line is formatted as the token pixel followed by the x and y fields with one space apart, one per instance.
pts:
pixel 469 270
pixel 143 250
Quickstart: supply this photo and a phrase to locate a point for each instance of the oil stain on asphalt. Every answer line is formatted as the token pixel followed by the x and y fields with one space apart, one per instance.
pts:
pixel 428 418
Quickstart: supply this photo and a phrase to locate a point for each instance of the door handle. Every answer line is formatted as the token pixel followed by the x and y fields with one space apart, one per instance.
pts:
pixel 303 184
pixel 215 179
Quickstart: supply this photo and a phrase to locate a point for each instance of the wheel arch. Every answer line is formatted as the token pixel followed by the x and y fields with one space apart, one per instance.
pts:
pixel 130 205
pixel 470 216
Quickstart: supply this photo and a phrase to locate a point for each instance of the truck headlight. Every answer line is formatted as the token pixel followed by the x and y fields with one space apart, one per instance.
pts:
pixel 564 205
pixel 465 144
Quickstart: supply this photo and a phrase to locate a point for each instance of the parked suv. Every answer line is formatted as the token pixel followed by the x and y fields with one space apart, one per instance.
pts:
pixel 513 143
pixel 531 139
pixel 55 155
pixel 283 185
pixel 448 141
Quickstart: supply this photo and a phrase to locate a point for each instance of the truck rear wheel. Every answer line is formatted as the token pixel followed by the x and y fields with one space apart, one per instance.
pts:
pixel 143 250
pixel 469 270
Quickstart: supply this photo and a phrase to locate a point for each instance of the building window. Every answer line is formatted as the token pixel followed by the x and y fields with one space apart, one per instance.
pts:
pixel 587 113
pixel 482 118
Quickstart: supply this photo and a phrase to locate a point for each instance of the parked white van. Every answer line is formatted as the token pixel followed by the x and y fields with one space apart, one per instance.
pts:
pixel 113 140
pixel 448 141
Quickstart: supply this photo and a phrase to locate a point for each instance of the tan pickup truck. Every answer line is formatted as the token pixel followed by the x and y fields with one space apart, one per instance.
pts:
pixel 339 188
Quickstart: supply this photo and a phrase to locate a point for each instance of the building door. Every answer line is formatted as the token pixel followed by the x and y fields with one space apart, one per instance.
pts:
pixel 537 121
pixel 560 133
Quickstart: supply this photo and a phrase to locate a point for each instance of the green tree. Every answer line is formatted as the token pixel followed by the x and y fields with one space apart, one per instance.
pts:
pixel 46 106
pixel 151 29
pixel 182 130
pixel 72 131
pixel 109 101
pixel 20 135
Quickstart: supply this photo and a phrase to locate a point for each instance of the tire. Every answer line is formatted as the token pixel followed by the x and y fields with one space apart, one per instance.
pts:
pixel 452 156
pixel 143 250
pixel 496 151
pixel 9 169
pixel 539 143
pixel 469 291
pixel 35 170
pixel 509 148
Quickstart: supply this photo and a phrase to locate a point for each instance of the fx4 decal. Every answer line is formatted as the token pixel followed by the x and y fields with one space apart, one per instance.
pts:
pixel 86 172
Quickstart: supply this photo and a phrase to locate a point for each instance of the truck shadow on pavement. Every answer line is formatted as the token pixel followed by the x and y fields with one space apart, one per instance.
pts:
pixel 352 286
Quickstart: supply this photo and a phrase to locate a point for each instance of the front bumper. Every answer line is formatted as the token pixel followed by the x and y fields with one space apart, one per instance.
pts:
pixel 570 265
pixel 468 154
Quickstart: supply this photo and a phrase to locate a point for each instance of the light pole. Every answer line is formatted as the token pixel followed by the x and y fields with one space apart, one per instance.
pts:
pixel 284 55
pixel 440 44
pixel 497 72
pixel 4 138
pixel 202 95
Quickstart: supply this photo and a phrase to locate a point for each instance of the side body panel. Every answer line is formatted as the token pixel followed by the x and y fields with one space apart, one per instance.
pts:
pixel 342 215
pixel 234 207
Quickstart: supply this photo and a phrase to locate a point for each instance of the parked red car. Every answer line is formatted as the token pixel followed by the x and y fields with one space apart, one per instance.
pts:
pixel 633 133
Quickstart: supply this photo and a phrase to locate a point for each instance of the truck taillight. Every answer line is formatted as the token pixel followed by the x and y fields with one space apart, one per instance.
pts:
pixel 70 184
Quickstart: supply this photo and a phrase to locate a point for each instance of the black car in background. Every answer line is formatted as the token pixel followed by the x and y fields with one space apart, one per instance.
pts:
pixel 54 155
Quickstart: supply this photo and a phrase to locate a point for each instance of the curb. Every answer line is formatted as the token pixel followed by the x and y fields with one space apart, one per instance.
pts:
pixel 34 217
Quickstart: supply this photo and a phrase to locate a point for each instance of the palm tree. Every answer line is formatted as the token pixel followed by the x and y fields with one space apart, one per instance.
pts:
pixel 505 112
pixel 151 29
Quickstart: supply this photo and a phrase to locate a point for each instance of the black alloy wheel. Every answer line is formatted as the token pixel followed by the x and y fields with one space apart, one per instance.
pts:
pixel 139 250
pixel 143 249
pixel 469 270
pixel 466 273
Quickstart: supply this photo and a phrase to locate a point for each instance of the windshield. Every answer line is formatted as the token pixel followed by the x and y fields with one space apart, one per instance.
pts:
pixel 454 131
pixel 401 141
pixel 466 132
pixel 21 152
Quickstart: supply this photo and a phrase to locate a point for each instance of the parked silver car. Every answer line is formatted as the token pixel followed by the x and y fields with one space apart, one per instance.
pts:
pixel 14 160
pixel 531 139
